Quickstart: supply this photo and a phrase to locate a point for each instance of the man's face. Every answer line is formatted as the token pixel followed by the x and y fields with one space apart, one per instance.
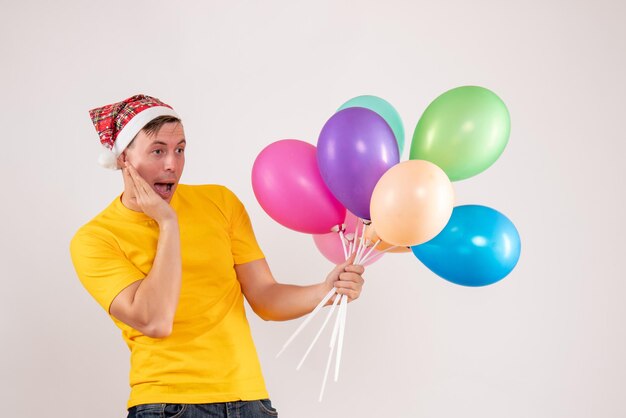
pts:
pixel 159 158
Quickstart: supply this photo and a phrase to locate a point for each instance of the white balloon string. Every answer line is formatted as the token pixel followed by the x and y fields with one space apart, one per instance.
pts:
pixel 317 336
pixel 360 241
pixel 333 340
pixel 343 312
pixel 308 319
pixel 369 252
pixel 343 243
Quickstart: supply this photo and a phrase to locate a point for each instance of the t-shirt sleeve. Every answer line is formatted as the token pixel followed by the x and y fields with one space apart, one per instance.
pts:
pixel 101 266
pixel 245 247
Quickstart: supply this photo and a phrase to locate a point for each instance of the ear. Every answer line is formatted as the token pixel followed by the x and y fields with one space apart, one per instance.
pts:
pixel 121 160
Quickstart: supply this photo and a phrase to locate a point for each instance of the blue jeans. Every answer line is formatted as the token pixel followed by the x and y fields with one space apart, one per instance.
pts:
pixel 239 409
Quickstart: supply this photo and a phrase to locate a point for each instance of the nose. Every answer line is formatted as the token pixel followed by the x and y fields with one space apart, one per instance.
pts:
pixel 169 162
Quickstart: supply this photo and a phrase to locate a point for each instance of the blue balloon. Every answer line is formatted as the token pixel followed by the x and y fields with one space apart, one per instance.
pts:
pixel 479 246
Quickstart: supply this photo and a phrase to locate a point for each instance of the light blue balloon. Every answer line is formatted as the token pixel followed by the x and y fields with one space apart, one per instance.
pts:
pixel 479 246
pixel 385 110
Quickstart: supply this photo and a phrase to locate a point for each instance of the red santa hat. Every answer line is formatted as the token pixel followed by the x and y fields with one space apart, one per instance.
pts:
pixel 118 123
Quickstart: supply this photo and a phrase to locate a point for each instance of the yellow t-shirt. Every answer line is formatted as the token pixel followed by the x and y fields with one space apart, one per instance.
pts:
pixel 210 355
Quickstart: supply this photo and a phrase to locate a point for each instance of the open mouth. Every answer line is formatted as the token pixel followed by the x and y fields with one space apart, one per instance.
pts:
pixel 164 189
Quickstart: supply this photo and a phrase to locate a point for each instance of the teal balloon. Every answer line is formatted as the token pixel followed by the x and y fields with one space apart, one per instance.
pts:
pixel 385 110
pixel 478 247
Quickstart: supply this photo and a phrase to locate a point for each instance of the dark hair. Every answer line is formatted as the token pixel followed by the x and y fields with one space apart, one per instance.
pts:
pixel 155 125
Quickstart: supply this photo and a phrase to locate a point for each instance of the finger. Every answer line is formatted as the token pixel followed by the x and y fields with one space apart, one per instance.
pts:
pixel 341 267
pixel 126 173
pixel 355 269
pixel 351 289
pixel 350 293
pixel 349 261
pixel 141 196
pixel 129 179
pixel 140 183
pixel 347 288
pixel 351 277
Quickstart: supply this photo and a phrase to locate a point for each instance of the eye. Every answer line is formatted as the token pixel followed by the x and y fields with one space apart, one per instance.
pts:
pixel 157 152
pixel 180 150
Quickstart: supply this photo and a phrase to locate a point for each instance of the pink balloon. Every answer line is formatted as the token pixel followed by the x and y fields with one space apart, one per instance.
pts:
pixel 289 187
pixel 351 222
pixel 330 244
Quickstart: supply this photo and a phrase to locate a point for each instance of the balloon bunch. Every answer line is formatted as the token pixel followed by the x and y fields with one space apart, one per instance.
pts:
pixel 355 196
pixel 326 191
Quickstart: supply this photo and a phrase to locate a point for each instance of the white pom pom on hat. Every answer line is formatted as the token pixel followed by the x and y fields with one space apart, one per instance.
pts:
pixel 118 123
pixel 108 159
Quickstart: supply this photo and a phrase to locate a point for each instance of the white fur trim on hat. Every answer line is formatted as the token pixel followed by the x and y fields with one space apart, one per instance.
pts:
pixel 108 158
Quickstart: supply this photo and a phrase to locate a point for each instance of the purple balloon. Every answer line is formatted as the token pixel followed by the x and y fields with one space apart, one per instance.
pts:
pixel 355 148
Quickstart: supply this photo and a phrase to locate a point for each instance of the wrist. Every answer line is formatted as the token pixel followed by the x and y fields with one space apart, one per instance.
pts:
pixel 169 223
pixel 322 290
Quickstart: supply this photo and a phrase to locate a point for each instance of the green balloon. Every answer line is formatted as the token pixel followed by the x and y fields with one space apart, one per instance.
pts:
pixel 463 131
pixel 384 110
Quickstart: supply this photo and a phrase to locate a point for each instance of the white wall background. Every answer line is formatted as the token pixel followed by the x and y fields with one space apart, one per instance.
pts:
pixel 546 342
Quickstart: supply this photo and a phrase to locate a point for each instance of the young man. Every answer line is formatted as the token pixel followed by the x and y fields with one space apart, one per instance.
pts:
pixel 171 263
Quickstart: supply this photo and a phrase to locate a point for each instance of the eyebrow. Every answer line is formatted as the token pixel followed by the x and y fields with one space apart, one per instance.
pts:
pixel 182 141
